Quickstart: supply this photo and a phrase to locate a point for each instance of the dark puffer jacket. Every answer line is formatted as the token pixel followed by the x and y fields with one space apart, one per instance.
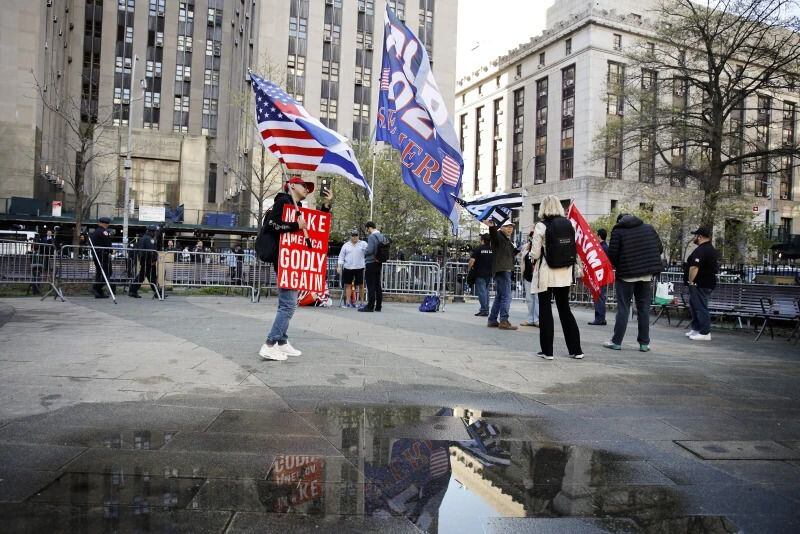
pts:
pixel 635 248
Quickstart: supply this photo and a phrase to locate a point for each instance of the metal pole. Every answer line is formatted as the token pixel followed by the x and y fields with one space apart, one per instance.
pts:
pixel 128 160
pixel 372 185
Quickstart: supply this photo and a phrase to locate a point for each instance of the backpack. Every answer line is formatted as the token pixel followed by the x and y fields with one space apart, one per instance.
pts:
pixel 559 243
pixel 266 243
pixel 430 303
pixel 382 254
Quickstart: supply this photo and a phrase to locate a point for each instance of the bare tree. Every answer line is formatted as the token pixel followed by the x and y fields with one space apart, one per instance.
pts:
pixel 82 140
pixel 696 101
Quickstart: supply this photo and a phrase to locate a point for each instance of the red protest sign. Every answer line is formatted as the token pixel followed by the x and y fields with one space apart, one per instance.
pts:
pixel 303 474
pixel 597 268
pixel 301 266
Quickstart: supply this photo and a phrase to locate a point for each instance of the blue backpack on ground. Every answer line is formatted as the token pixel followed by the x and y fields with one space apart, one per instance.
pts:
pixel 430 303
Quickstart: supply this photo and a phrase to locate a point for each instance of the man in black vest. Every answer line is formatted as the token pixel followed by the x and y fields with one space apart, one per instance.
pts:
pixel 635 252
pixel 481 263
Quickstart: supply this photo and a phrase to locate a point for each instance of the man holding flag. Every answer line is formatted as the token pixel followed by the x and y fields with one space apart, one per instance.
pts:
pixel 301 143
pixel 412 117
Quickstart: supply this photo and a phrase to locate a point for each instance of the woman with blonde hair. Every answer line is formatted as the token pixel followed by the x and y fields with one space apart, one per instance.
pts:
pixel 553 244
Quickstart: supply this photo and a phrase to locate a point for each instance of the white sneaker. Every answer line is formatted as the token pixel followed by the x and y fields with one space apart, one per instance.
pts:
pixel 578 356
pixel 288 349
pixel 271 353
pixel 691 333
pixel 700 337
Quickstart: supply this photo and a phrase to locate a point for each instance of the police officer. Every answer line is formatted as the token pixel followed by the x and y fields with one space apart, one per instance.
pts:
pixel 148 260
pixel 101 239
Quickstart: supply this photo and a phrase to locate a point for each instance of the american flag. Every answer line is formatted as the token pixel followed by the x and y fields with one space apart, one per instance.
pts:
pixel 494 206
pixel 385 79
pixel 451 170
pixel 440 463
pixel 298 140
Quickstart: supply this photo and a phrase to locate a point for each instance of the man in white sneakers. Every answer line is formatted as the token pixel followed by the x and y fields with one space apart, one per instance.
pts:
pixel 277 346
pixel 700 275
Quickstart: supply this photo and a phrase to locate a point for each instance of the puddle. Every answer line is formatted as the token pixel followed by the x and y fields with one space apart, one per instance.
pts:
pixel 443 470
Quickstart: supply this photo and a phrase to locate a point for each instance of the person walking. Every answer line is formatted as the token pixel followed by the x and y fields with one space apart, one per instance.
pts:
pixel 373 268
pixel 531 299
pixel 553 244
pixel 503 254
pixel 277 346
pixel 480 265
pixel 101 239
pixel 635 252
pixel 600 305
pixel 148 263
pixel 350 267
pixel 700 275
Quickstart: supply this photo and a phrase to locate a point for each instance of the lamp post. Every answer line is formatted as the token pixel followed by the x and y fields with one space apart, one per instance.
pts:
pixel 128 162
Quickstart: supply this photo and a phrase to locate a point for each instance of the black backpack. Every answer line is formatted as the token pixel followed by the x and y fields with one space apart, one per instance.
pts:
pixel 267 242
pixel 382 254
pixel 559 243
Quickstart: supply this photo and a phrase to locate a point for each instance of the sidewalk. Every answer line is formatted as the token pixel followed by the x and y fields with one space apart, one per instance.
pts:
pixel 92 390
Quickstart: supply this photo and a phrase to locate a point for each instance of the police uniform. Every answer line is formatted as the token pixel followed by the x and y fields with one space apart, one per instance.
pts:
pixel 148 260
pixel 101 239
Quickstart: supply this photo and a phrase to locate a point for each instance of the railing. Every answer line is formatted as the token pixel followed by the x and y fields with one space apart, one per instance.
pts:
pixel 31 264
pixel 411 277
pixel 456 282
pixel 213 269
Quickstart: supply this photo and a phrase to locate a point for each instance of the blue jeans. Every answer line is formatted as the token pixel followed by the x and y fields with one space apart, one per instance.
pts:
pixel 698 306
pixel 502 297
pixel 482 292
pixel 600 307
pixel 287 303
pixel 641 292
pixel 532 300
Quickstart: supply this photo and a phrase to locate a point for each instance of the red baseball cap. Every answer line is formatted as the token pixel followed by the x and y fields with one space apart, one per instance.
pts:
pixel 299 180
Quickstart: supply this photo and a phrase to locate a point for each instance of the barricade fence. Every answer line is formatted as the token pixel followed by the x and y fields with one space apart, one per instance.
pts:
pixel 31 264
pixel 214 269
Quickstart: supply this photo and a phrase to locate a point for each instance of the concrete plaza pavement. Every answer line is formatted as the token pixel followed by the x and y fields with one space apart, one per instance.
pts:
pixel 714 424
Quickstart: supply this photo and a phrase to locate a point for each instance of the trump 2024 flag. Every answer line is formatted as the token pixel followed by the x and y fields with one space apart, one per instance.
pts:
pixel 597 268
pixel 412 117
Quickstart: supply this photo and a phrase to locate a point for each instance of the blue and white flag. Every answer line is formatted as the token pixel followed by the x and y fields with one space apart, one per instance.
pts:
pixel 495 207
pixel 413 118
pixel 298 140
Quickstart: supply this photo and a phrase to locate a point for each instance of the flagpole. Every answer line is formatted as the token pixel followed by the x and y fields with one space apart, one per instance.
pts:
pixel 372 186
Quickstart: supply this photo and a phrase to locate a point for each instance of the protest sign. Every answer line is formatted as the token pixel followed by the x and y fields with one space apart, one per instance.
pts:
pixel 303 264
pixel 597 269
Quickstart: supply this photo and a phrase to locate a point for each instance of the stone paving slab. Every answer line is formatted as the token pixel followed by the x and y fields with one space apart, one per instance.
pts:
pixel 740 450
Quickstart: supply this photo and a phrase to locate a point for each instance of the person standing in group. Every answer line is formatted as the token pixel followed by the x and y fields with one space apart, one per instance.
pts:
pixel 503 254
pixel 373 268
pixel 350 267
pixel 553 244
pixel 600 305
pixel 700 275
pixel 635 252
pixel 148 263
pixel 101 239
pixel 531 299
pixel 277 346
pixel 480 263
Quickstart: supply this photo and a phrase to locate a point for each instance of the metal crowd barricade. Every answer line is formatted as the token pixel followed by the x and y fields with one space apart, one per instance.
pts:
pixel 411 277
pixel 455 282
pixel 32 264
pixel 215 269
pixel 76 265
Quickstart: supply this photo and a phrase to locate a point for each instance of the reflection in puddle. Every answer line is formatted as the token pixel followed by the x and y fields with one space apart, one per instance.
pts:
pixel 444 470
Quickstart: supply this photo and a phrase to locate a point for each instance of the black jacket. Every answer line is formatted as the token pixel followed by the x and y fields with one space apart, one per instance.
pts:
pixel 635 248
pixel 274 221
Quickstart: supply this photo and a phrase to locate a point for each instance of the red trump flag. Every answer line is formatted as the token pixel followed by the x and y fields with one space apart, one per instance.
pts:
pixel 597 268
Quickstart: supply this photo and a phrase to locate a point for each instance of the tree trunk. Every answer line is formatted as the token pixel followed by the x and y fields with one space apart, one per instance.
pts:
pixel 79 201
pixel 711 198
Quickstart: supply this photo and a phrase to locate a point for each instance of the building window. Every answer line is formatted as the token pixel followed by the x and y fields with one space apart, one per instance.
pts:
pixel 540 150
pixel 426 9
pixel 617 41
pixel 647 155
pixel 298 45
pixel 212 183
pixel 567 122
pixel 516 153
pixel 541 59
pixel 787 139
pixel 518 70
pixel 736 135
pixel 568 46
pixel 478 151
pixel 763 114
pixel 614 109
pixel 399 8
pixel 462 130
pixel 497 143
